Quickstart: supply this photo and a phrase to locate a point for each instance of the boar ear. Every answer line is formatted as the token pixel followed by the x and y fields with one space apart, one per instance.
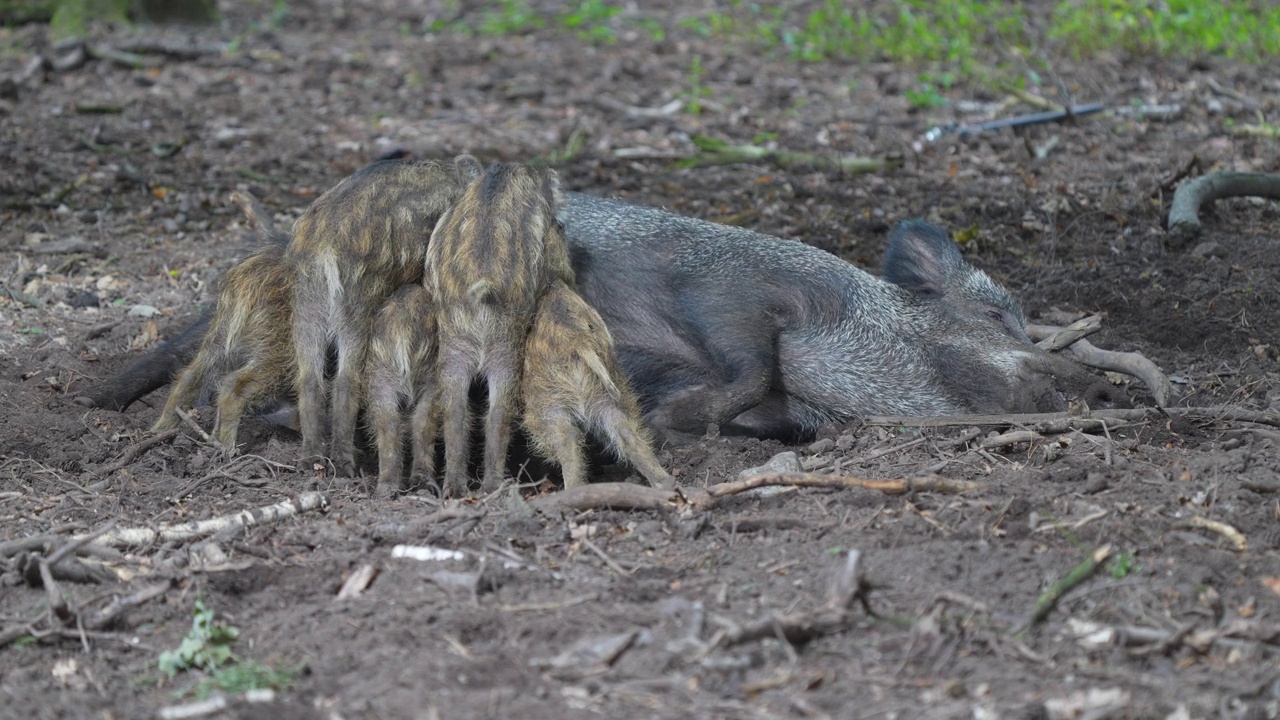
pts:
pixel 468 169
pixel 921 258
pixel 551 188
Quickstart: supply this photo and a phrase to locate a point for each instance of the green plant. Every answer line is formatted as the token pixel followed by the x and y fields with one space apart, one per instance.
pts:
pixel 1122 565
pixel 208 647
pixel 511 17
pixel 591 20
pixel 697 90
pixel 925 94
pixel 1234 28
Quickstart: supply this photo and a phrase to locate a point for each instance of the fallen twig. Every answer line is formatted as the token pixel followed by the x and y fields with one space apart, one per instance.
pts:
pixel 191 423
pixel 124 58
pixel 798 628
pixel 432 527
pixel 626 496
pixel 1129 363
pixel 19 296
pixel 1184 213
pixel 1236 538
pixel 1048 599
pixel 137 449
pixel 704 499
pixel 1061 422
pixel 1077 330
pixel 127 537
pixel 602 496
pixel 712 151
pixel 1266 131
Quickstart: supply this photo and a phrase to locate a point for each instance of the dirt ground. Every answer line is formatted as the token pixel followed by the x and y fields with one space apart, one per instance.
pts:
pixel 115 229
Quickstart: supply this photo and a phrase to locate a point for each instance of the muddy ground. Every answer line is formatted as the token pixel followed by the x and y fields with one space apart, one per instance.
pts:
pixel 115 229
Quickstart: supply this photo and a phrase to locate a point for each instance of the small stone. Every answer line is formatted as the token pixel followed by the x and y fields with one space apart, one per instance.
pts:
pixel 144 311
pixel 844 442
pixel 1209 249
pixel 785 462
pixel 821 446
pixel 83 299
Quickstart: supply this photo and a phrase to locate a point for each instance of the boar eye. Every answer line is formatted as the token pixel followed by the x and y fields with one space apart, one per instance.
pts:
pixel 995 315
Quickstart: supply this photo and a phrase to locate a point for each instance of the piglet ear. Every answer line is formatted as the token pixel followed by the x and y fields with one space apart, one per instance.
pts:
pixel 551 189
pixel 468 169
pixel 921 258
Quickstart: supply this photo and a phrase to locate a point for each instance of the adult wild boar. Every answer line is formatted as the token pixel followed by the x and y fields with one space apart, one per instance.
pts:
pixel 772 337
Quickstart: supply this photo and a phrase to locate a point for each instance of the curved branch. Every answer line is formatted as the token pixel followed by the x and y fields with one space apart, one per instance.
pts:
pixel 1184 213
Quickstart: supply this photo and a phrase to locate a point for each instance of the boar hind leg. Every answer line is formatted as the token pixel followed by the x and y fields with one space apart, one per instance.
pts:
pixel 239 390
pixel 631 443
pixel 687 413
pixel 353 346
pixel 455 382
pixel 425 422
pixel 311 345
pixel 184 391
pixel 557 438
pixel 388 433
pixel 503 382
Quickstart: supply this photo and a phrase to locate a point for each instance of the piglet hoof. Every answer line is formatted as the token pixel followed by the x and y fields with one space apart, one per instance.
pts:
pixel 344 465
pixel 666 483
pixel 490 484
pixel 454 488
pixel 386 490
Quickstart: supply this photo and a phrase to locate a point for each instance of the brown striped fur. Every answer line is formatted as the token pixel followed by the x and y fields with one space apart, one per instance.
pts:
pixel 572 384
pixel 248 348
pixel 401 377
pixel 352 247
pixel 490 258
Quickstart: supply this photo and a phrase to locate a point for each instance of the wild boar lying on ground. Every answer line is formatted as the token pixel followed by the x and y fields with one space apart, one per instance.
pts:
pixel 771 337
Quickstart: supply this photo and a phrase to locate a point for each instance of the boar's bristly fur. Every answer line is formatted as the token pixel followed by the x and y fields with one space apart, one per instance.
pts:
pixel 572 383
pixel 491 257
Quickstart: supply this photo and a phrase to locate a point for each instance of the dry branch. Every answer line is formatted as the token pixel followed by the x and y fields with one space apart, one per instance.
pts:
pixel 1061 422
pixel 626 496
pixel 704 499
pixel 1237 539
pixel 1184 213
pixel 601 496
pixel 128 537
pixel 798 628
pixel 718 152
pixel 1128 363
pixel 137 449
pixel 1074 332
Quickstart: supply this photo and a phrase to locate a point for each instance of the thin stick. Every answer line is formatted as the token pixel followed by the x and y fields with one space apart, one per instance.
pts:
pixel 1094 419
pixel 1077 330
pixel 1048 600
pixel 191 423
pixel 704 499
pixel 127 537
pixel 613 564
pixel 133 451
pixel 1237 539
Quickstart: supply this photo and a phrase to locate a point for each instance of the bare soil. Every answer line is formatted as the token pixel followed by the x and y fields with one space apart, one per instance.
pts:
pixel 115 220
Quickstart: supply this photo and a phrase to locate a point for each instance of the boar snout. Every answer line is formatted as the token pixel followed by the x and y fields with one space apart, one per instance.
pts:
pixel 1058 382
